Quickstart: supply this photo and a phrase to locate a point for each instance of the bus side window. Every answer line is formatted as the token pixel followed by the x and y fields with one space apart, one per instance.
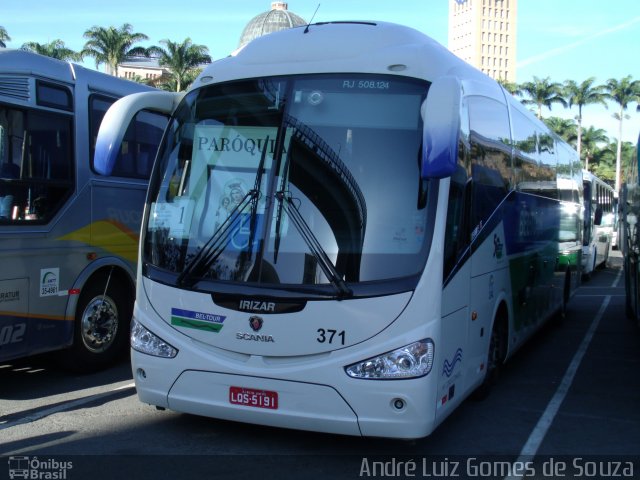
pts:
pixel 490 157
pixel 457 237
pixel 36 172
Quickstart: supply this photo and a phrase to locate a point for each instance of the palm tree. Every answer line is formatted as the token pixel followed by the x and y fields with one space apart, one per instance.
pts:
pixel 581 95
pixel 181 59
pixel 628 157
pixel 54 49
pixel 112 46
pixel 542 93
pixel 510 87
pixel 603 162
pixel 591 138
pixel 169 82
pixel 4 37
pixel 564 128
pixel 623 92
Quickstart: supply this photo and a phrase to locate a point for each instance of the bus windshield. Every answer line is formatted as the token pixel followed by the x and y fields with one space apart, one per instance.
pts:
pixel 302 180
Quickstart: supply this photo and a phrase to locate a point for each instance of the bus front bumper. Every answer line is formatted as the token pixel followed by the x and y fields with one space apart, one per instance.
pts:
pixel 300 405
pixel 366 408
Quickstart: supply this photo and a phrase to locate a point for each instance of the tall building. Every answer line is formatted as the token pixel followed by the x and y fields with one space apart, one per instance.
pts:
pixel 483 32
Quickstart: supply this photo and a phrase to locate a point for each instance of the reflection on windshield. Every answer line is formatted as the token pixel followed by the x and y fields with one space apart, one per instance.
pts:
pixel 304 181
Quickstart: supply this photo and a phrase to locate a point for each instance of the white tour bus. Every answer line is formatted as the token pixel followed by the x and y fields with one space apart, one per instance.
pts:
pixel 335 237
pixel 68 227
pixel 599 219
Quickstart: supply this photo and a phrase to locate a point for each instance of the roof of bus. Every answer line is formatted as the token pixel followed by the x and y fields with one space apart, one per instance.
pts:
pixel 591 177
pixel 332 47
pixel 22 62
pixel 28 63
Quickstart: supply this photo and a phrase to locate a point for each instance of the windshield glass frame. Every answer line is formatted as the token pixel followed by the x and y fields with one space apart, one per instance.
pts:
pixel 271 211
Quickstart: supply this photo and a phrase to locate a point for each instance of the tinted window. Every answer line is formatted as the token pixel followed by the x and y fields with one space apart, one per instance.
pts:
pixel 547 157
pixel 98 106
pixel 315 170
pixel 490 156
pixel 54 96
pixel 525 142
pixel 36 164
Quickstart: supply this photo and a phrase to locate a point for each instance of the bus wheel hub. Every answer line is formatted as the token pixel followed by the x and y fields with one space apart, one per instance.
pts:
pixel 99 324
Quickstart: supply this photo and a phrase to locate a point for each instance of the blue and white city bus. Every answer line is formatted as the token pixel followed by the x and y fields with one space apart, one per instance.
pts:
pixel 348 229
pixel 599 213
pixel 69 228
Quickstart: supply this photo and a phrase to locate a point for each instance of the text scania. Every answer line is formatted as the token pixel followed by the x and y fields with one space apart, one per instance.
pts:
pixel 237 144
pixel 255 338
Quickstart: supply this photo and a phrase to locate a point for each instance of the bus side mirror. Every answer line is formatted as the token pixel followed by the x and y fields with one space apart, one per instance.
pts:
pixel 441 116
pixel 117 120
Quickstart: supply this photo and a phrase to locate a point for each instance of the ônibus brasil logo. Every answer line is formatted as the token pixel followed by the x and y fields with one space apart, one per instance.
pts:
pixel 36 468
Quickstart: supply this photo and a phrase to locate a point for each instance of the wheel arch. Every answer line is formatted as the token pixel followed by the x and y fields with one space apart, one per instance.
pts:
pixel 120 271
pixel 502 318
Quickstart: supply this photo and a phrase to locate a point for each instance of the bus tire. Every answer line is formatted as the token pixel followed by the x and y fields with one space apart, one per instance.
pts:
pixel 496 356
pixel 566 296
pixel 101 328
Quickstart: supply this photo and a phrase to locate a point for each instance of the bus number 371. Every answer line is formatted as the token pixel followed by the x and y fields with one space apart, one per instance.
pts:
pixel 328 336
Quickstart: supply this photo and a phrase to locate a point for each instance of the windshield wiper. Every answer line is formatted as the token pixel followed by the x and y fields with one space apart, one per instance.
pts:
pixel 327 266
pixel 256 188
pixel 216 244
pixel 283 183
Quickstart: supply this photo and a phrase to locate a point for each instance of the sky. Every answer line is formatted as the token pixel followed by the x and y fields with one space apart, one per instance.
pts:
pixel 560 39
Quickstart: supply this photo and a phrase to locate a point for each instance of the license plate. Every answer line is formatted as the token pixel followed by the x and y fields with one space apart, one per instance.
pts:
pixel 253 398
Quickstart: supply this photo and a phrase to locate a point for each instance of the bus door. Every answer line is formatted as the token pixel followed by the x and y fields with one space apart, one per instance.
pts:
pixel 455 295
pixel 588 214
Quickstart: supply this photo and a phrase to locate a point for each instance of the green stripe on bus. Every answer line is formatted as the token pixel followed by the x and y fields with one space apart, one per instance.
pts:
pixel 189 323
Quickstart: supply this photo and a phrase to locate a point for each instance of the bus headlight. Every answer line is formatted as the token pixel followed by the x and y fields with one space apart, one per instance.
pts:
pixel 411 361
pixel 142 340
